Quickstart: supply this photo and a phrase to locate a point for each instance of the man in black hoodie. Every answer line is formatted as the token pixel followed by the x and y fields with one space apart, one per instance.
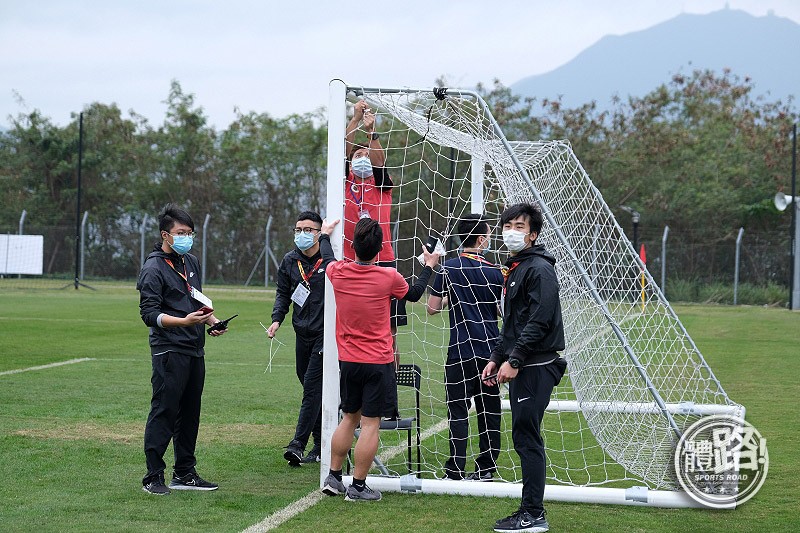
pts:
pixel 527 356
pixel 172 305
pixel 301 281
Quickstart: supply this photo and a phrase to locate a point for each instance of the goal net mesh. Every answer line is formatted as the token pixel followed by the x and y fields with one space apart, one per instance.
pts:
pixel 606 425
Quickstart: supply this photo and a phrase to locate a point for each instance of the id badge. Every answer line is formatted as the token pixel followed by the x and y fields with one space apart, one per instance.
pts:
pixel 202 298
pixel 363 213
pixel 300 294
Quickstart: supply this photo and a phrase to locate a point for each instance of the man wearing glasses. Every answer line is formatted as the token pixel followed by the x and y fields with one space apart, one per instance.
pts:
pixel 172 305
pixel 301 281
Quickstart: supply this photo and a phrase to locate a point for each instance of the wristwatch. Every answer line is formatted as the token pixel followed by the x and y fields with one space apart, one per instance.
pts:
pixel 514 363
pixel 374 136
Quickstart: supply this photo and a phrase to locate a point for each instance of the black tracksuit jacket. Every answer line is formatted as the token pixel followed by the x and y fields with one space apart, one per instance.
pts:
pixel 533 330
pixel 163 290
pixel 310 318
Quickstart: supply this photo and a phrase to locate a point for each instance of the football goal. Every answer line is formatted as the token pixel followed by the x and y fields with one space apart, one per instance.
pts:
pixel 635 379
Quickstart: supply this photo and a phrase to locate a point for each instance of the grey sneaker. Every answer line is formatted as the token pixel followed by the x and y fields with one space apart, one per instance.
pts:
pixel 191 481
pixel 333 487
pixel 156 487
pixel 368 494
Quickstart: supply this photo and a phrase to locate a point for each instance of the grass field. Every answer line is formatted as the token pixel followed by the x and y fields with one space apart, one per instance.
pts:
pixel 71 436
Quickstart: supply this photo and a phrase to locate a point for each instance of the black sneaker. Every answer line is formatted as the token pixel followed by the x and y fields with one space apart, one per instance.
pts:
pixel 313 455
pixel 294 453
pixel 480 476
pixel 191 481
pixel 522 520
pixel 156 487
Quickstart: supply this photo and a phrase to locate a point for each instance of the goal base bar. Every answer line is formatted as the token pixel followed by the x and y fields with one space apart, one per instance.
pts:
pixel 683 408
pixel 635 496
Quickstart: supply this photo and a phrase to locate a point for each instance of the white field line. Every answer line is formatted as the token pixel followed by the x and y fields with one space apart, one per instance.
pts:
pixel 312 498
pixel 43 367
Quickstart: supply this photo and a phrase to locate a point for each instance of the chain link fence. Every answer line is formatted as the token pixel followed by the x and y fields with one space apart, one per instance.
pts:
pixel 697 268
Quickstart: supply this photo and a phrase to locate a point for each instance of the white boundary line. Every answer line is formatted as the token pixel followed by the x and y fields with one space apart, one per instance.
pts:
pixel 314 497
pixel 43 367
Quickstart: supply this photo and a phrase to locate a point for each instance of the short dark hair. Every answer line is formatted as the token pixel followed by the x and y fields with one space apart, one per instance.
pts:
pixel 313 216
pixel 172 214
pixel 367 239
pixel 470 227
pixel 356 147
pixel 530 211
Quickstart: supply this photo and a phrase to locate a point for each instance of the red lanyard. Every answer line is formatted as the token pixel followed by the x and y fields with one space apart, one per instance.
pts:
pixel 479 259
pixel 303 272
pixel 507 272
pixel 186 279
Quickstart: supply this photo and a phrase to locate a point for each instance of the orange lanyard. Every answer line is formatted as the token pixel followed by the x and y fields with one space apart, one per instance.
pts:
pixel 506 273
pixel 479 259
pixel 185 278
pixel 311 273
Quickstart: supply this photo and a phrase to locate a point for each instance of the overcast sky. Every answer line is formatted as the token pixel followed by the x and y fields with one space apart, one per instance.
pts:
pixel 278 56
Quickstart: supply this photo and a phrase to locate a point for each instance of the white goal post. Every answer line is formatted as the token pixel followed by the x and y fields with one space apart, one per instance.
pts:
pixel 635 379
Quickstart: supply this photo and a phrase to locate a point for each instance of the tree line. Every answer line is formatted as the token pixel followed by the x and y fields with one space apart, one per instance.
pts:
pixel 701 153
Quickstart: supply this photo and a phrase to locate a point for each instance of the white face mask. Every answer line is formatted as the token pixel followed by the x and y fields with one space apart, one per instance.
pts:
pixel 514 240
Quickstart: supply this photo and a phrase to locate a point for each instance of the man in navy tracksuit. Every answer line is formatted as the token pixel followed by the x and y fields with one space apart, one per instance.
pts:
pixel 172 305
pixel 527 356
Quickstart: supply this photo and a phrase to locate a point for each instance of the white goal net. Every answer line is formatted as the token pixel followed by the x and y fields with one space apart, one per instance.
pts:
pixel 635 379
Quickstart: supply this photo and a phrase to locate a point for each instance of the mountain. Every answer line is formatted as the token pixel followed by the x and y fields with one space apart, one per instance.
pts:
pixel 760 48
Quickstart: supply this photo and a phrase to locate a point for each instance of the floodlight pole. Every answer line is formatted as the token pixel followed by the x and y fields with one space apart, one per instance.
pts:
pixel 78 239
pixel 635 216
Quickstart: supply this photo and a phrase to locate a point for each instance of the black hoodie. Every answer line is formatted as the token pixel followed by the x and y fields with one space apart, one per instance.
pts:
pixel 163 290
pixel 533 330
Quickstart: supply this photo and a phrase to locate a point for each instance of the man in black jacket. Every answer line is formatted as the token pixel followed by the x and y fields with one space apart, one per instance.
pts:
pixel 527 356
pixel 172 305
pixel 301 280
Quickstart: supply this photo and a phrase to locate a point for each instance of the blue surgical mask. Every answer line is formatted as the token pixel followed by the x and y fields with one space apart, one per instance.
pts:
pixel 304 240
pixel 362 167
pixel 181 243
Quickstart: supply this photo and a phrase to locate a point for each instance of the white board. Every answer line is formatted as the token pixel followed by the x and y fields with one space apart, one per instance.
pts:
pixel 21 254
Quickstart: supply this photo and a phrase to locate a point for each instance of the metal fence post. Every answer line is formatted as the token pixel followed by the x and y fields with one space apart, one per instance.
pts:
pixel 266 251
pixel 736 271
pixel 205 249
pixel 83 240
pixel 664 260
pixel 21 228
pixel 141 241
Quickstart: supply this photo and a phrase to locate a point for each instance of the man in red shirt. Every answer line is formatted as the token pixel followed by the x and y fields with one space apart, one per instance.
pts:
pixel 366 357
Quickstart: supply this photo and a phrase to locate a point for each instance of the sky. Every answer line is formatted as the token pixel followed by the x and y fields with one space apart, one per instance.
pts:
pixel 277 57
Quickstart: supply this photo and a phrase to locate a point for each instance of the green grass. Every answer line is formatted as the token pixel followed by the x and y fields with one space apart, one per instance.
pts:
pixel 71 436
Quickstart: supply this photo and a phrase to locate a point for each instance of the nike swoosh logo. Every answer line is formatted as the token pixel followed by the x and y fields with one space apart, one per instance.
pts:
pixel 525 523
pixel 522 399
